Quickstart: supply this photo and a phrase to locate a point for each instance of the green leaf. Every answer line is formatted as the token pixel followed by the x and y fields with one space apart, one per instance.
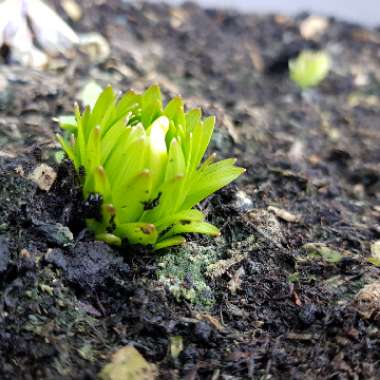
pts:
pixel 168 192
pixel 157 153
pixel 174 107
pixel 145 162
pixel 173 196
pixel 129 102
pixel 131 161
pixel 115 136
pixel 80 143
pixel 309 68
pixel 176 161
pixel 130 199
pixel 211 179
pixel 150 112
pixel 182 217
pixel 193 227
pixel 104 104
pixel 201 138
pixel 93 149
pixel 175 112
pixel 152 94
pixel 193 118
pixel 122 148
pixel 108 238
pixel 316 250
pixel 138 233
pixel 101 183
pixel 374 261
pixel 170 242
pixel 68 150
pixel 151 104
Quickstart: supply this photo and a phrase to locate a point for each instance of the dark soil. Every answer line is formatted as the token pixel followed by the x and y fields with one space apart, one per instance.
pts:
pixel 277 310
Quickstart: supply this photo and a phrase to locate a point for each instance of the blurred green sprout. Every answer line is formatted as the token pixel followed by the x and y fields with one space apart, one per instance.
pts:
pixel 145 163
pixel 309 68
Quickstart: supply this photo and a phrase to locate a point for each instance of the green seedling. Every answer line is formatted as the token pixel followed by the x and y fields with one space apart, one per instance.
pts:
pixel 144 161
pixel 309 68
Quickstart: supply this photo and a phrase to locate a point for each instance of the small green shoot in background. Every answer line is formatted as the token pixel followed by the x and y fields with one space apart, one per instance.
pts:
pixel 309 68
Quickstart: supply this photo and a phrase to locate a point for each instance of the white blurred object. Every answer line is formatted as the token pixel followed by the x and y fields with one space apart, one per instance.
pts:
pixel 313 26
pixel 51 32
pixel 24 21
pixel 15 33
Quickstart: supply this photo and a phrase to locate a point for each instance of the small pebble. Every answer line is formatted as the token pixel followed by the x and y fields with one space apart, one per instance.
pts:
pixel 202 331
pixel 242 201
pixel 44 176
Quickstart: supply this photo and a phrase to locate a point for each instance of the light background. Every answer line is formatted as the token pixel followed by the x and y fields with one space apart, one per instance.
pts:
pixel 360 11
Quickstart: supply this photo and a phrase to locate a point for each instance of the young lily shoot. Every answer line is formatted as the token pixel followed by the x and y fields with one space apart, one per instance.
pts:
pixel 144 162
pixel 309 68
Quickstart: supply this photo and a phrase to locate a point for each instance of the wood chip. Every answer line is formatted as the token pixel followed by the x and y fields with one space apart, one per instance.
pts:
pixel 7 154
pixel 297 151
pixel 370 294
pixel 297 336
pixel 375 249
pixel 255 56
pixel 212 320
pixel 236 311
pixel 284 215
pixel 44 176
pixel 128 364
pixel 235 283
pixel 220 267
pixel 176 346
pixel 19 170
pixel 367 301
pixel 72 9
pixel 313 26
pixel 25 254
pixel 95 46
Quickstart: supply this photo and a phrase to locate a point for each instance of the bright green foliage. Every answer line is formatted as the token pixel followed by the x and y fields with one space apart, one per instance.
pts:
pixel 145 160
pixel 309 68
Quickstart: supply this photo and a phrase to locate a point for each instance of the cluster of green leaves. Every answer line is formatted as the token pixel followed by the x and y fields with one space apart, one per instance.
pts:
pixel 145 160
pixel 309 68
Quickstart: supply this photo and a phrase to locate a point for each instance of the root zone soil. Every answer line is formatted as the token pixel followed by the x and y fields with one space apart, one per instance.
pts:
pixel 289 290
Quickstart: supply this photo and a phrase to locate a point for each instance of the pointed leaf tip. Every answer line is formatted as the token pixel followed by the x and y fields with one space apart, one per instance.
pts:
pixel 110 209
pixel 100 170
